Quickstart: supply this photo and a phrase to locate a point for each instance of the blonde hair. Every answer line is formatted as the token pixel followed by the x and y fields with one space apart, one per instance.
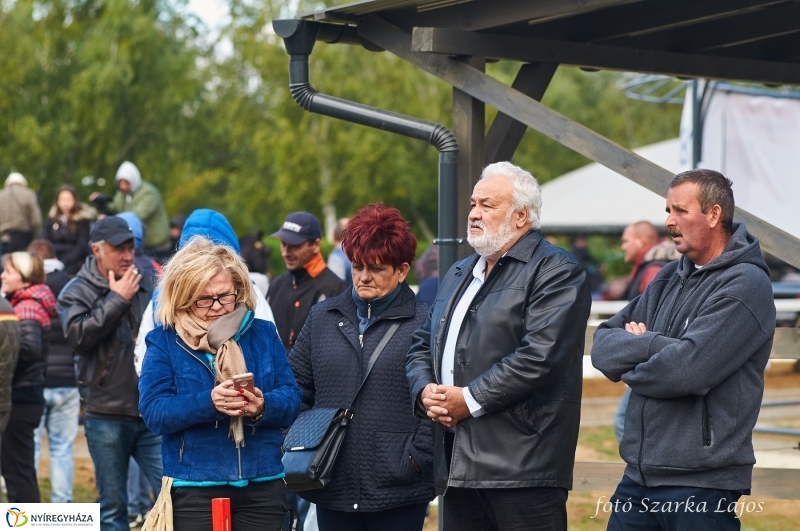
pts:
pixel 191 268
pixel 28 265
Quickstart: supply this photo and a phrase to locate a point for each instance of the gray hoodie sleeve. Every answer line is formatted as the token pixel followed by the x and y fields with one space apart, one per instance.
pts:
pixel 723 336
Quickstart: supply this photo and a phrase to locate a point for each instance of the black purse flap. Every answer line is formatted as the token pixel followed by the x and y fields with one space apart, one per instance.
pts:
pixel 310 428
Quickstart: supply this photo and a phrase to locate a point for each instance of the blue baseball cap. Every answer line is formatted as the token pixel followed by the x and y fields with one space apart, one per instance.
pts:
pixel 299 227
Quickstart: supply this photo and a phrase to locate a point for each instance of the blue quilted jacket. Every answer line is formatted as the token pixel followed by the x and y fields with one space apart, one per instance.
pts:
pixel 175 402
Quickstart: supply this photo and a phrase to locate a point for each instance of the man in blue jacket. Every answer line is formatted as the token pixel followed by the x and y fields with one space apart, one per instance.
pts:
pixel 693 349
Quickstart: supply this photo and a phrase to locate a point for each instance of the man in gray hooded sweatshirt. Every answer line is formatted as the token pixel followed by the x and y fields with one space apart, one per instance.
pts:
pixel 693 349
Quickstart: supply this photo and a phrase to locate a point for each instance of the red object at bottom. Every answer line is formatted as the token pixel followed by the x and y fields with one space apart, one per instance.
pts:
pixel 221 514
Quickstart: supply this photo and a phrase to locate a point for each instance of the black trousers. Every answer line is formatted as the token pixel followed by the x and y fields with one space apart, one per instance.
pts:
pixel 257 507
pixel 17 453
pixel 523 509
pixel 403 518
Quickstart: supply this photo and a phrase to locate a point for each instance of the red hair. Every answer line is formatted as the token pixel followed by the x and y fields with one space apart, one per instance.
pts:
pixel 379 234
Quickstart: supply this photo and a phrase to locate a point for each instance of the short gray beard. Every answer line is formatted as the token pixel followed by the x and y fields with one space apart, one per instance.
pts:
pixel 491 243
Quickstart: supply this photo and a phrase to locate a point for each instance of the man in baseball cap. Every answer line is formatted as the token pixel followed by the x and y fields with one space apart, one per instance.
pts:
pixel 307 280
pixel 100 311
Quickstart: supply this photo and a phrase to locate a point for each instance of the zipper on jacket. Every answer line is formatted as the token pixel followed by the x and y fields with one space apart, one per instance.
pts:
pixel 641 444
pixel 195 357
pixel 675 307
pixel 180 455
pixel 706 423
pixel 361 340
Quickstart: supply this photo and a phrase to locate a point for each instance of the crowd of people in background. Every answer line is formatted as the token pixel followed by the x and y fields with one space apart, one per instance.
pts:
pixel 186 362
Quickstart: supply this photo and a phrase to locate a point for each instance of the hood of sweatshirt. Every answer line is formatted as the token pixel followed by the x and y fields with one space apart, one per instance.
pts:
pixel 136 227
pixel 209 224
pixel 130 173
pixel 742 248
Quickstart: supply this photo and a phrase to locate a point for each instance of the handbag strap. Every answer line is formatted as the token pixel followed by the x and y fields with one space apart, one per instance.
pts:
pixel 372 359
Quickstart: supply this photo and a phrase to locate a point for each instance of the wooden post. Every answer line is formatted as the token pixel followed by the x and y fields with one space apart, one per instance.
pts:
pixel 469 124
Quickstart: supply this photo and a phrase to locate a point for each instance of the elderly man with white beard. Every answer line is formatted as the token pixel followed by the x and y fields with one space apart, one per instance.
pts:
pixel 497 366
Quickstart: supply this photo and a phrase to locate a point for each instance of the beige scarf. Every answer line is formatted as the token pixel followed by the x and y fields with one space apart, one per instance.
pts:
pixel 216 337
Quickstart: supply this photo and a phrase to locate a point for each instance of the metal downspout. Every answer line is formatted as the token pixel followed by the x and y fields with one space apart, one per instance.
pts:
pixel 299 38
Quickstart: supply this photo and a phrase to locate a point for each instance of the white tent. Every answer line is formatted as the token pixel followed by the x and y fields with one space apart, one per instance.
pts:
pixel 597 199
pixel 753 141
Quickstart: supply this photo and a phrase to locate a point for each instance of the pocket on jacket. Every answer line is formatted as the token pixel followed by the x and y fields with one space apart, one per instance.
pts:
pixel 524 416
pixel 391 459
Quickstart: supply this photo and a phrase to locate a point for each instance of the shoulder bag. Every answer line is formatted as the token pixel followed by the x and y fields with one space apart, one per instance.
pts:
pixel 314 440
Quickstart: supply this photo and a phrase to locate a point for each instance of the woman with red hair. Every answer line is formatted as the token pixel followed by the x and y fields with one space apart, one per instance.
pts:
pixel 383 476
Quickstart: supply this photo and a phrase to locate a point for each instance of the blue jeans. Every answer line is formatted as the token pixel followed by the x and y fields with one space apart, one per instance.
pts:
pixel 139 501
pixel 60 418
pixel 637 508
pixel 111 444
pixel 619 418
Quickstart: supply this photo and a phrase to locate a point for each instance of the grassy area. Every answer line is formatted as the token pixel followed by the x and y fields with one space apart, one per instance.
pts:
pixel 601 441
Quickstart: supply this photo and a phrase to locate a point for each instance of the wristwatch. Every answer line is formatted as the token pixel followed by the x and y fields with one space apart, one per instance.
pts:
pixel 260 415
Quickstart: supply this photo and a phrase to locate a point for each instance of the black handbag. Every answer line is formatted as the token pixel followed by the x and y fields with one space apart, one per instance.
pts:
pixel 314 440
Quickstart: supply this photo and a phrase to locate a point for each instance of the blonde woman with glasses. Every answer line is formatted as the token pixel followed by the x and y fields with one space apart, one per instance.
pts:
pixel 217 386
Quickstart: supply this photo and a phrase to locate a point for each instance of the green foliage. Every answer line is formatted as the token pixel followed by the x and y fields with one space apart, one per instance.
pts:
pixel 87 84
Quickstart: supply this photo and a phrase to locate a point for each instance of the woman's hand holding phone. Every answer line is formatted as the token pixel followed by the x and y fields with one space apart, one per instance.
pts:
pixel 238 397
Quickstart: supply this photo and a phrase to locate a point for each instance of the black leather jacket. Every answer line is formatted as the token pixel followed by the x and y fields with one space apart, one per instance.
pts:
pixel 101 327
pixel 520 351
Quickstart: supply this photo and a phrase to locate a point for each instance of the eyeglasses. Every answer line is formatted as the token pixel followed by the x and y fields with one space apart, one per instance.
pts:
pixel 223 300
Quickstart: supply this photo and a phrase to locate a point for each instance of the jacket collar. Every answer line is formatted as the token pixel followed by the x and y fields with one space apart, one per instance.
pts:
pixel 404 304
pixel 523 249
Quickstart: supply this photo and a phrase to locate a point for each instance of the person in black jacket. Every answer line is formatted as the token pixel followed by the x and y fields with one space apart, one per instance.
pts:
pixel 307 281
pixel 100 311
pixel 62 401
pixel 67 228
pixel 498 365
pixel 23 283
pixel 9 351
pixel 383 477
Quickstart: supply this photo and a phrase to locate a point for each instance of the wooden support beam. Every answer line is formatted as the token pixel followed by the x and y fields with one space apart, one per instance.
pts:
pixel 780 48
pixel 746 27
pixel 560 128
pixel 643 18
pixel 529 50
pixel 506 133
pixel 469 124
pixel 768 483
pixel 484 14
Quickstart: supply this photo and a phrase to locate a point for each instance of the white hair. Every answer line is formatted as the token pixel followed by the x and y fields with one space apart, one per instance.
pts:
pixel 525 191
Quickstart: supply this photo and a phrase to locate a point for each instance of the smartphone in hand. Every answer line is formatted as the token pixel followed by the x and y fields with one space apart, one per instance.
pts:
pixel 244 381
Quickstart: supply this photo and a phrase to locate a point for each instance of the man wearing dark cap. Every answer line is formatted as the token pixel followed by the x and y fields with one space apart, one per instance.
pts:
pixel 307 281
pixel 292 294
pixel 100 311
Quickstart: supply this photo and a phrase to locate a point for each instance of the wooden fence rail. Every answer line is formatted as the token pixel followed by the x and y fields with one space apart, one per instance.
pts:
pixel 786 344
pixel 770 483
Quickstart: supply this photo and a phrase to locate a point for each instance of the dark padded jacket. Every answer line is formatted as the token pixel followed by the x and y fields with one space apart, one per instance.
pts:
pixel 697 374
pixel 60 371
pixel 374 470
pixel 520 351
pixel 9 352
pixel 101 327
pixel 291 296
pixel 70 239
